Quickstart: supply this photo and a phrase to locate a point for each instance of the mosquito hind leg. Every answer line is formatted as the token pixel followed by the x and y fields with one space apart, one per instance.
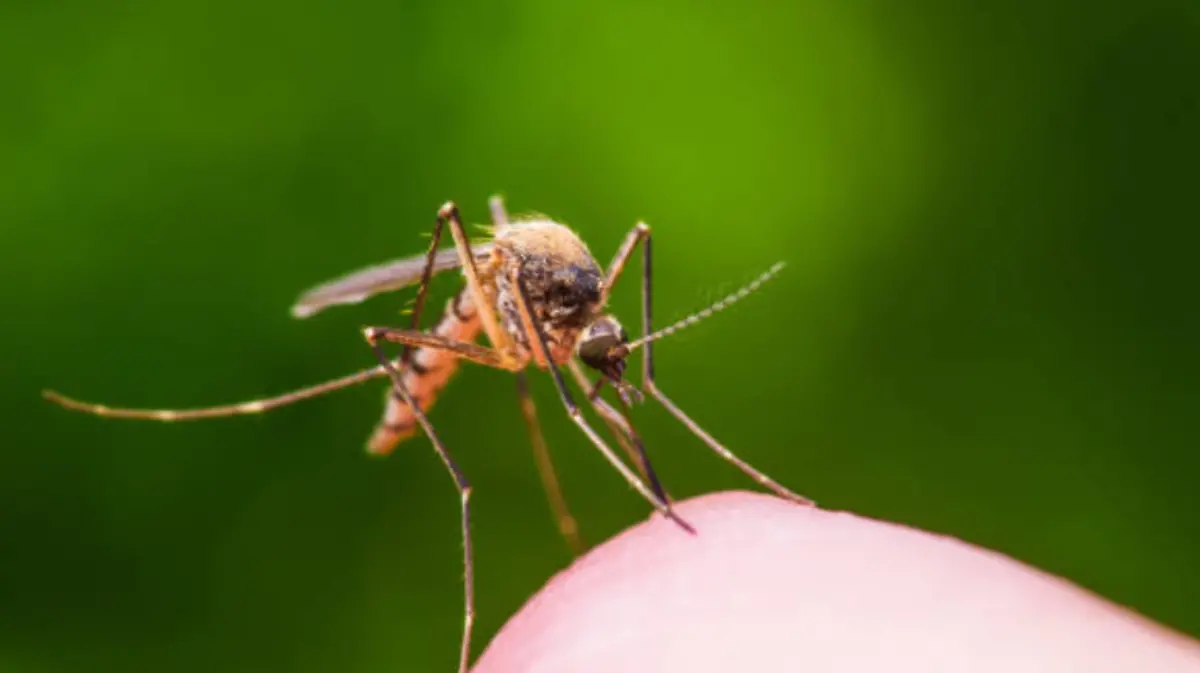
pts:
pixel 464 492
pixel 221 411
pixel 641 233
pixel 567 526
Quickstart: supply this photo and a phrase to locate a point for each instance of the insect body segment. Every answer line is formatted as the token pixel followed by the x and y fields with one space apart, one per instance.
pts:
pixel 427 373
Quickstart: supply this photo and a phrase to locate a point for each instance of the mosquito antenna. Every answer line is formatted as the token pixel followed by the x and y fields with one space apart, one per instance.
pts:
pixel 701 315
pixel 239 409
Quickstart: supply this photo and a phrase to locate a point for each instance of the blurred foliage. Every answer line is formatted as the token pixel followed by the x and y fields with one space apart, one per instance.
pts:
pixel 988 326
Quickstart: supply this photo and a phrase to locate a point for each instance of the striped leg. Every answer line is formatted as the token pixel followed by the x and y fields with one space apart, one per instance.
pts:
pixel 567 525
pixel 464 493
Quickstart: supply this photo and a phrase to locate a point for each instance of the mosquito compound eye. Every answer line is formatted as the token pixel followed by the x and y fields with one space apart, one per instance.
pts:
pixel 595 347
pixel 601 336
pixel 597 344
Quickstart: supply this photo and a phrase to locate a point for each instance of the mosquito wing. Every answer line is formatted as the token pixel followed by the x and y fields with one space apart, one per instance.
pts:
pixel 359 285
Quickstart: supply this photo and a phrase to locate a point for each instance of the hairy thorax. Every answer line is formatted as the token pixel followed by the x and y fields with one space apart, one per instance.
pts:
pixel 563 282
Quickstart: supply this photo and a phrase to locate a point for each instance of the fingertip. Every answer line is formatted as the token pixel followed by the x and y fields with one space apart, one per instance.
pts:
pixel 768 583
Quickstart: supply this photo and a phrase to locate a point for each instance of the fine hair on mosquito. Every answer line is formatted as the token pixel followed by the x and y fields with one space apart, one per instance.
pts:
pixel 537 293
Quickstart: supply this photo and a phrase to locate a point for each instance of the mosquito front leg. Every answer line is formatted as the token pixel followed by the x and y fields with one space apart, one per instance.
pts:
pixel 639 232
pixel 539 338
pixel 622 428
pixel 464 492
pixel 642 233
pixel 567 525
pixel 499 339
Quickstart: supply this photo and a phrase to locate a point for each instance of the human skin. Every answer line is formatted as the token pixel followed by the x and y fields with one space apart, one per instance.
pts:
pixel 766 585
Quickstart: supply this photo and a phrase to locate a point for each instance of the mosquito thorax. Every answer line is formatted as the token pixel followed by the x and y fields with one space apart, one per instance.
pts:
pixel 563 279
pixel 601 346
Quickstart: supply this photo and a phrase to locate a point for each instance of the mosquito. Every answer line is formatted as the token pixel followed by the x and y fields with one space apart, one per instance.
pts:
pixel 537 293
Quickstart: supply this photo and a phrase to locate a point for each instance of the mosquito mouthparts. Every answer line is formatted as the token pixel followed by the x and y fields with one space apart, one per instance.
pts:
pixel 701 315
pixel 629 394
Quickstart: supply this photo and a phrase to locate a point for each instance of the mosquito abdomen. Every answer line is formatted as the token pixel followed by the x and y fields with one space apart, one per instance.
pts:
pixel 428 372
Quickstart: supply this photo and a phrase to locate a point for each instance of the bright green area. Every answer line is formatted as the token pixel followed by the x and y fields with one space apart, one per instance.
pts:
pixel 988 326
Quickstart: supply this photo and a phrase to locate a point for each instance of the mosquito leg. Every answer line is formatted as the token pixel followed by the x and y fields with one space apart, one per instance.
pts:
pixel 622 428
pixel 577 416
pixel 567 525
pixel 499 339
pixel 483 355
pixel 651 387
pixel 464 492
pixel 238 409
pixel 636 235
pixel 266 404
pixel 423 289
pixel 391 430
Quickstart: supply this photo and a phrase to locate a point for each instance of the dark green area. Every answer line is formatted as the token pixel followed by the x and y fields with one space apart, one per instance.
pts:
pixel 989 325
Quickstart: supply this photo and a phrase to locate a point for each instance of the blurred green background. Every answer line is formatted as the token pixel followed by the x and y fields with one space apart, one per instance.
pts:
pixel 988 326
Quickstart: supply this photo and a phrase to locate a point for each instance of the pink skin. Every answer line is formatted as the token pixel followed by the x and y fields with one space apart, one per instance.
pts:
pixel 771 586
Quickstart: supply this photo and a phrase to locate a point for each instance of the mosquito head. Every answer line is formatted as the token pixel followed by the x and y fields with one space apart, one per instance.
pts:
pixel 602 347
